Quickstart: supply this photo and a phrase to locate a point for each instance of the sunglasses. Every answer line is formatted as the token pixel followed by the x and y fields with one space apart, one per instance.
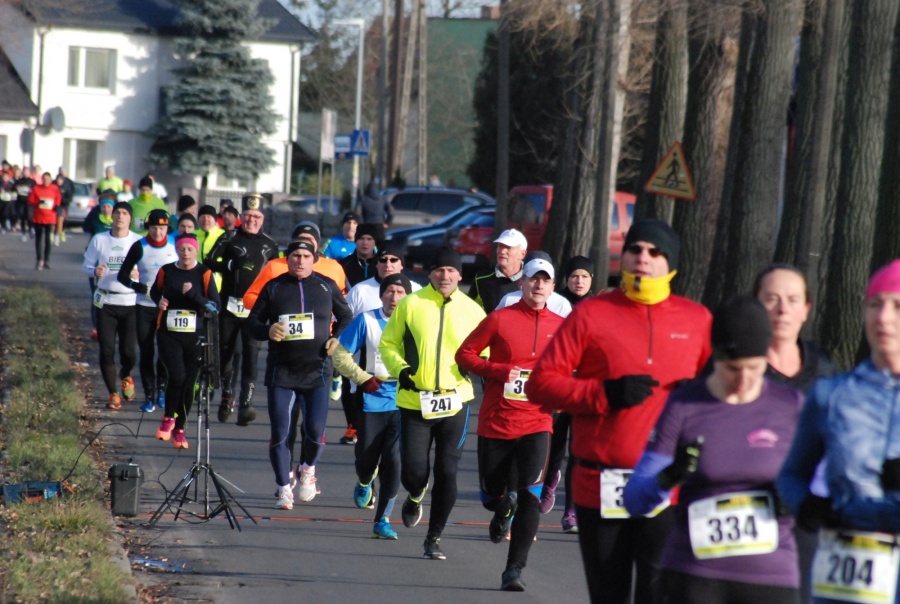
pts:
pixel 385 260
pixel 636 249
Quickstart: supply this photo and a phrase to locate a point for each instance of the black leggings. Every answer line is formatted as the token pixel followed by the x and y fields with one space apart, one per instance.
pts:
pixel 43 232
pixel 529 456
pixel 680 588
pixel 448 435
pixel 180 355
pixel 558 446
pixel 378 446
pixel 116 322
pixel 146 319
pixel 610 549
pixel 21 209
pixel 230 327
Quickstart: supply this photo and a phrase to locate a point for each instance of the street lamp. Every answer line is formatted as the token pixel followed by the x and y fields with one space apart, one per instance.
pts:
pixel 361 23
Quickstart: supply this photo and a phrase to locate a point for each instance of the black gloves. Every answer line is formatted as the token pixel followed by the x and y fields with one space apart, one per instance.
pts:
pixel 371 385
pixel 890 475
pixel 139 287
pixel 816 512
pixel 684 464
pixel 628 390
pixel 405 380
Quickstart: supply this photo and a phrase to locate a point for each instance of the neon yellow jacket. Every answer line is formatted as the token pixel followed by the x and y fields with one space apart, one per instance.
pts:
pixel 424 333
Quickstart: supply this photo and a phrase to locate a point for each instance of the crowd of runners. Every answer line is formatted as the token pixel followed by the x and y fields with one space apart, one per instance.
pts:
pixel 704 456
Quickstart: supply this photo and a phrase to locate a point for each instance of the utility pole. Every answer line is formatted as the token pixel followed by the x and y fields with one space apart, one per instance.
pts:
pixel 382 97
pixel 422 164
pixel 502 119
pixel 396 51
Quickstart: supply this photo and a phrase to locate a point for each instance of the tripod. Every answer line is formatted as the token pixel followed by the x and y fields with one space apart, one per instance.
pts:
pixel 209 377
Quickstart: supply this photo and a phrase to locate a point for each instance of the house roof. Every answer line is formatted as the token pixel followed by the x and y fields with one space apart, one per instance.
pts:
pixel 150 16
pixel 15 102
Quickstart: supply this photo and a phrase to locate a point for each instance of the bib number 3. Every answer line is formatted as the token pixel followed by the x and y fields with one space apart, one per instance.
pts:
pixel 612 485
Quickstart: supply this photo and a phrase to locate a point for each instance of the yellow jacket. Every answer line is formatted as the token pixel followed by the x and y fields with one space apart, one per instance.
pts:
pixel 424 333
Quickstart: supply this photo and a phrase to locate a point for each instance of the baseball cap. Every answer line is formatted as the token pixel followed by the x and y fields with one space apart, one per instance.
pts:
pixel 537 265
pixel 512 238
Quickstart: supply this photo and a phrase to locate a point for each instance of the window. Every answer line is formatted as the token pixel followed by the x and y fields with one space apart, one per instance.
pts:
pixel 82 158
pixel 439 205
pixel 3 148
pixel 405 202
pixel 92 67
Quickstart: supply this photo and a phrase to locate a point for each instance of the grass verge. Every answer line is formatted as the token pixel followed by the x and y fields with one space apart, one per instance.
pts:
pixel 55 550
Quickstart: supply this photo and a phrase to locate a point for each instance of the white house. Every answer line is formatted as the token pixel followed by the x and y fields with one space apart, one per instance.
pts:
pixel 80 85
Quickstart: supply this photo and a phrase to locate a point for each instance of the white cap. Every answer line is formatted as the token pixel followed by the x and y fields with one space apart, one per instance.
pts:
pixel 537 265
pixel 512 238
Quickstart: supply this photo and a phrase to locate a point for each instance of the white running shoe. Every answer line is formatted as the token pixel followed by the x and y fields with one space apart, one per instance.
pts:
pixel 285 498
pixel 306 487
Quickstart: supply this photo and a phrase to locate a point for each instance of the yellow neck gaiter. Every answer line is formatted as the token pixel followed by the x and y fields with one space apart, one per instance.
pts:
pixel 647 290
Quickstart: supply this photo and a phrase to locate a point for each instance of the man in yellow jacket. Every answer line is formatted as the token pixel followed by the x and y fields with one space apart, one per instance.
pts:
pixel 419 346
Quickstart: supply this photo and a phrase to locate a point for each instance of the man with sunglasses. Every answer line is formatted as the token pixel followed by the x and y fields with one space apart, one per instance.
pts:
pixel 612 365
pixel 388 261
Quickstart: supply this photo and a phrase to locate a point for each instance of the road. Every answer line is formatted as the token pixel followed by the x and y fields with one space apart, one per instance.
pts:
pixel 319 551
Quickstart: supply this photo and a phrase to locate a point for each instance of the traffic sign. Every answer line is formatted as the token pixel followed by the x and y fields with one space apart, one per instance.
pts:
pixel 342 146
pixel 672 176
pixel 359 143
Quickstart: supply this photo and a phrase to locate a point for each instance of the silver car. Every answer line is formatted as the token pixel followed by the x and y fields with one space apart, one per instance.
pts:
pixel 83 202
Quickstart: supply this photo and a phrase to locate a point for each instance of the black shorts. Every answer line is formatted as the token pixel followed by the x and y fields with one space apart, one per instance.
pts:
pixel 61 212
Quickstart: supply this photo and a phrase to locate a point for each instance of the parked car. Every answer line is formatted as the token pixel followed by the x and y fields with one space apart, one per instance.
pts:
pixel 83 202
pixel 427 205
pixel 281 217
pixel 421 247
pixel 402 235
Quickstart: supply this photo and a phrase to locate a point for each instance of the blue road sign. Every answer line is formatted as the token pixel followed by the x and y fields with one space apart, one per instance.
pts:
pixel 359 143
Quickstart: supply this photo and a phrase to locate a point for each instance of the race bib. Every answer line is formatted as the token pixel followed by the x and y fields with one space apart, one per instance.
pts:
pixel 440 404
pixel 515 390
pixel 99 298
pixel 736 524
pixel 181 321
pixel 236 307
pixel 23 190
pixel 853 566
pixel 6 196
pixel 612 486
pixel 298 327
pixel 45 204
pixel 380 371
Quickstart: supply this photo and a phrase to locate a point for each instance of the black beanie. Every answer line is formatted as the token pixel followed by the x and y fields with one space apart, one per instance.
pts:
pixel 740 329
pixel 307 227
pixel 348 216
pixel 300 245
pixel 579 262
pixel 207 210
pixel 145 182
pixel 390 248
pixel 446 257
pixel 375 231
pixel 157 218
pixel 187 217
pixel 659 234
pixel 123 205
pixel 395 279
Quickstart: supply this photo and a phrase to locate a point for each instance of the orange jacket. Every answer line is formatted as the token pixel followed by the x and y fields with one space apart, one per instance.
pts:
pixel 277 267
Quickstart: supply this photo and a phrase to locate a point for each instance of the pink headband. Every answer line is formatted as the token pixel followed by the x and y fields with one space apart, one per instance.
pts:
pixel 189 238
pixel 885 280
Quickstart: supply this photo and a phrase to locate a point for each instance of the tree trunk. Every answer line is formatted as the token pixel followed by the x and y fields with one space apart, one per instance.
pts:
pixel 862 149
pixel 712 56
pixel 666 110
pixel 757 187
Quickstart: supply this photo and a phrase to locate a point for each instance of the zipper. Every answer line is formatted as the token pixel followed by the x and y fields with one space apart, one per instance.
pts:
pixel 302 297
pixel 650 342
pixel 437 361
pixel 534 344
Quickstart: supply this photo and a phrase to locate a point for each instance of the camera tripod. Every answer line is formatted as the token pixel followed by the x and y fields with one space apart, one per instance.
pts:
pixel 201 471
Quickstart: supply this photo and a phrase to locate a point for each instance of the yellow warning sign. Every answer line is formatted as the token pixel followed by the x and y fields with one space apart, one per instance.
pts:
pixel 672 176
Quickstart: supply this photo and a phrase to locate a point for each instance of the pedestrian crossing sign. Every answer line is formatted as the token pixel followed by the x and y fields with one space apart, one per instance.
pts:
pixel 359 143
pixel 672 176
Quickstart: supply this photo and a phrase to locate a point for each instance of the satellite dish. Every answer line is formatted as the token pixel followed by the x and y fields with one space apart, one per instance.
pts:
pixel 55 119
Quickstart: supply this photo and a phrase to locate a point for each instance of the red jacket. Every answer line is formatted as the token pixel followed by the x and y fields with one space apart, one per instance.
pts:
pixel 606 337
pixel 44 200
pixel 516 335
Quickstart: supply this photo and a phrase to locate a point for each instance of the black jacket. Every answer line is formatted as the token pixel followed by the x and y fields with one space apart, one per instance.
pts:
pixel 240 260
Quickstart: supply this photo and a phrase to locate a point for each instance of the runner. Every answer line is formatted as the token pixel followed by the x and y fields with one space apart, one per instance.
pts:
pixel 184 290
pixel 342 245
pixel 418 347
pixel 513 433
pixel 99 220
pixel 722 440
pixel 556 303
pixel 490 287
pixel 359 265
pixel 294 312
pixel 848 422
pixel 153 251
pixel 187 223
pixel 24 183
pixel 115 303
pixel 143 204
pixel 44 199
pixel 378 448
pixel 629 347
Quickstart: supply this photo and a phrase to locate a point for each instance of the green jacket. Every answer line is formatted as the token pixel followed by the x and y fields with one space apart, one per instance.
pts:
pixel 207 241
pixel 140 209
pixel 424 333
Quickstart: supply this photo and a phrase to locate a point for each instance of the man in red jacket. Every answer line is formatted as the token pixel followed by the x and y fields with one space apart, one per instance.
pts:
pixel 513 433
pixel 612 366
pixel 44 199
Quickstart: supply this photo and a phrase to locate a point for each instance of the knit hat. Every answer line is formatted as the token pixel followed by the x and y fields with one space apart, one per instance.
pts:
pixel 157 218
pixel 740 328
pixel 390 248
pixel 446 257
pixel 659 234
pixel 207 210
pixel 146 182
pixel 885 280
pixel 123 205
pixel 306 227
pixel 293 246
pixel 375 231
pixel 187 238
pixel 350 216
pixel 395 279
pixel 252 201
pixel 579 263
pixel 230 210
pixel 187 217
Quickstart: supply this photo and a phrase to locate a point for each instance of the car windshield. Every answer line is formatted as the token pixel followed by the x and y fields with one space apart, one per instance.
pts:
pixel 82 189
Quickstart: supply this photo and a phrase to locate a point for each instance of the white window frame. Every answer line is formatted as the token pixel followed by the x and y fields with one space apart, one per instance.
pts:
pixel 82 53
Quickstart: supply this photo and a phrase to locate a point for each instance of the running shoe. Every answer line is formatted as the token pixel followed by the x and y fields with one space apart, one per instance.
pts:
pixel 411 512
pixel 349 437
pixel 149 406
pixel 62 237
pixel 306 487
pixel 285 498
pixel 548 494
pixel 128 388
pixel 46 265
pixel 39 266
pixel 114 402
pixel 246 414
pixel 569 522
pixel 165 428
pixel 512 579
pixel 161 398
pixel 55 240
pixel 226 407
pixel 292 477
pixel 433 548
pixel 499 527
pixel 335 393
pixel 383 530
pixel 179 439
pixel 94 335
pixel 363 494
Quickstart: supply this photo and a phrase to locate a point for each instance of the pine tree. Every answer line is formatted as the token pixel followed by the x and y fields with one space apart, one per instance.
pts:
pixel 220 107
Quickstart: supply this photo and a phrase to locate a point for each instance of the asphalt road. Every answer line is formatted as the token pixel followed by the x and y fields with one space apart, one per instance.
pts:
pixel 319 551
